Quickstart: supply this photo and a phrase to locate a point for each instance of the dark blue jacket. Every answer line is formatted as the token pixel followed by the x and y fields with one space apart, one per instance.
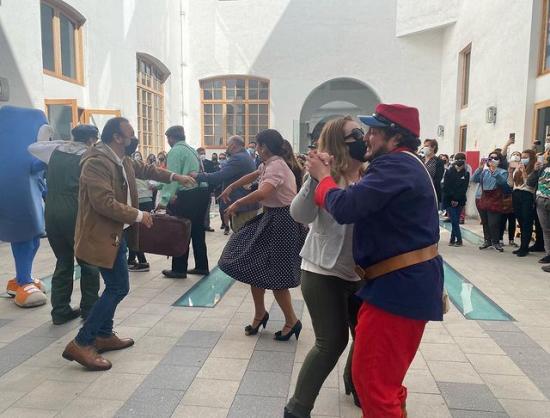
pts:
pixel 394 211
pixel 237 166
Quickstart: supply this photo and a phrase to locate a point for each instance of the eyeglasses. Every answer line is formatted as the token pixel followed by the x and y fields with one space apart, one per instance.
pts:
pixel 356 133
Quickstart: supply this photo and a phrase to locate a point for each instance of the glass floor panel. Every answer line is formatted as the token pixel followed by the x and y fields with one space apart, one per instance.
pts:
pixel 467 235
pixel 208 291
pixel 48 279
pixel 471 301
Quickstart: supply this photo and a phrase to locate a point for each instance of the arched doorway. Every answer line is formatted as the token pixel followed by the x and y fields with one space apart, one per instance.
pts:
pixel 334 98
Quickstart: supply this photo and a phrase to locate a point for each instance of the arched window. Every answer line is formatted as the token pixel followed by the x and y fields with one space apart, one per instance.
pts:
pixel 151 75
pixel 233 105
pixel 62 54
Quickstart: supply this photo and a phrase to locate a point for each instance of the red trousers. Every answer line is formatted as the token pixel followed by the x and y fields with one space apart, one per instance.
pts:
pixel 385 346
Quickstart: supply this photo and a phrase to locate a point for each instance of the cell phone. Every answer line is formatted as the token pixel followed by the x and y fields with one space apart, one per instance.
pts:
pixel 512 137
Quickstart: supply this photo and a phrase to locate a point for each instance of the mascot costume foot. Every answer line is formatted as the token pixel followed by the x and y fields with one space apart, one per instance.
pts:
pixel 21 209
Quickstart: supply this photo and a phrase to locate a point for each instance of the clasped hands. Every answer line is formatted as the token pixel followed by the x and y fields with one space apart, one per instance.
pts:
pixel 318 164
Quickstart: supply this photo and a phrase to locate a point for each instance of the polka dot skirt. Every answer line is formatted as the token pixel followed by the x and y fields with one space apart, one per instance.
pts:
pixel 266 252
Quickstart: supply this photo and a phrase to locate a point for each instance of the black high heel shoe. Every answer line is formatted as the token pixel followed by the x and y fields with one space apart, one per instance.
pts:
pixel 295 330
pixel 250 330
pixel 350 390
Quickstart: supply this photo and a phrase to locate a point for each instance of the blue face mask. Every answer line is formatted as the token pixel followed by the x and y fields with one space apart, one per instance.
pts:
pixel 525 161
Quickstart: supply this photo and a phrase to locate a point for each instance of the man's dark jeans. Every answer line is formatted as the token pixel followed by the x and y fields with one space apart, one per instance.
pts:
pixel 192 204
pixel 117 286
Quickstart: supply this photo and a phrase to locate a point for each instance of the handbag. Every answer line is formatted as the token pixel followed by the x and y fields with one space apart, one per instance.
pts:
pixel 168 236
pixel 490 200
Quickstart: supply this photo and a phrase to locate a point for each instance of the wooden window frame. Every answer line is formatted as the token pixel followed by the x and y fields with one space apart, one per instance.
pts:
pixel 78 22
pixel 462 139
pixel 467 51
pixel 86 113
pixel 537 107
pixel 66 102
pixel 224 102
pixel 544 38
pixel 157 143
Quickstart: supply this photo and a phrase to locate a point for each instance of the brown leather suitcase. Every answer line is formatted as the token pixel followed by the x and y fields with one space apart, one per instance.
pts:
pixel 168 236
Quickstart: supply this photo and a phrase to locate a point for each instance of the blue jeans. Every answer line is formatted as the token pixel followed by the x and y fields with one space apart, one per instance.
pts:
pixel 454 214
pixel 117 286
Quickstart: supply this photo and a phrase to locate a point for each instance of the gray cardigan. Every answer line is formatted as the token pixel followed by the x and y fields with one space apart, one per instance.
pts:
pixel 324 242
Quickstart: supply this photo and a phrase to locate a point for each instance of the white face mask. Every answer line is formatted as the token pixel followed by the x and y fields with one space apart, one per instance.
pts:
pixel 547 146
pixel 202 157
pixel 427 151
pixel 515 159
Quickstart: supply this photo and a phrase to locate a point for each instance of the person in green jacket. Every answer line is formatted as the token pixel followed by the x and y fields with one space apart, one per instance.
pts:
pixel 63 159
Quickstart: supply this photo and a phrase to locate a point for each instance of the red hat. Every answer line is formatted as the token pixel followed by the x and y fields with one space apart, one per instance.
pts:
pixel 395 116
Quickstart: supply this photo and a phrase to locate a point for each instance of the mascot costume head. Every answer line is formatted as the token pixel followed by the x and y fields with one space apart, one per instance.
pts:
pixel 21 204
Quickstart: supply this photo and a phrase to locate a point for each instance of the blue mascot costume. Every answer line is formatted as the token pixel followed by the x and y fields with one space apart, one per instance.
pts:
pixel 21 187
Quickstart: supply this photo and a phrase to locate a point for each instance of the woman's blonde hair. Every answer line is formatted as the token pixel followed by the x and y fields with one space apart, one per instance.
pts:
pixel 333 143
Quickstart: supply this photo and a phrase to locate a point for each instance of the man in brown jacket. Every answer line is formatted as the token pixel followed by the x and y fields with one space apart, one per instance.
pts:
pixel 107 211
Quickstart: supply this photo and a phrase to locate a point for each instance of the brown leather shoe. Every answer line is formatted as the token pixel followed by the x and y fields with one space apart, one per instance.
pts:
pixel 87 356
pixel 112 343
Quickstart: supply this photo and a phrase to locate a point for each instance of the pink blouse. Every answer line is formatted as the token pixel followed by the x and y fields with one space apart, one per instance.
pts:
pixel 276 172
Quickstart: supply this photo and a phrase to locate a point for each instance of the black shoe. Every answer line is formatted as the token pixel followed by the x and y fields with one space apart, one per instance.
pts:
pixel 459 244
pixel 250 330
pixel 486 244
pixel 132 263
pixel 173 274
pixel 200 272
pixel 545 259
pixel 546 269
pixel 452 243
pixel 223 226
pixel 139 267
pixel 226 232
pixel 536 248
pixel 209 229
pixel 295 330
pixel 75 313
pixel 289 414
pixel 521 253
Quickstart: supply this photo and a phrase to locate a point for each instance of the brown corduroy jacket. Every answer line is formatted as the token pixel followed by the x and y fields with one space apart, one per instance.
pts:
pixel 102 206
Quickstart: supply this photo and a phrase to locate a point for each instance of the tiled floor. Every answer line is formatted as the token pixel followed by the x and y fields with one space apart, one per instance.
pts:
pixel 196 362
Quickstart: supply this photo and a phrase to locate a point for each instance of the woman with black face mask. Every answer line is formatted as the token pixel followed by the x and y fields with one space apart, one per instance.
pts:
pixel 329 280
pixel 455 187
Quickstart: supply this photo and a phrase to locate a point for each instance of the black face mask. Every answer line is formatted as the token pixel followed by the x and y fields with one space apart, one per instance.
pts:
pixel 357 150
pixel 459 163
pixel 130 149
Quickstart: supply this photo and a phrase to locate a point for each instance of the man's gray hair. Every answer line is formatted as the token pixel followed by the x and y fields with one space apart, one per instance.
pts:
pixel 237 140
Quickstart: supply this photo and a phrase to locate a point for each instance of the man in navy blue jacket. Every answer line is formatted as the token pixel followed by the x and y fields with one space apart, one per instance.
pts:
pixel 394 209
pixel 238 165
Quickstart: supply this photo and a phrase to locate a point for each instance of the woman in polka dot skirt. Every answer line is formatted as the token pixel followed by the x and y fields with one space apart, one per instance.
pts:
pixel 265 252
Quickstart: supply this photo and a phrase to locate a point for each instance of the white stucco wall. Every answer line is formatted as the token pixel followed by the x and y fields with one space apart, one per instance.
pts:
pixel 417 16
pixel 500 73
pixel 299 45
pixel 406 51
pixel 111 40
